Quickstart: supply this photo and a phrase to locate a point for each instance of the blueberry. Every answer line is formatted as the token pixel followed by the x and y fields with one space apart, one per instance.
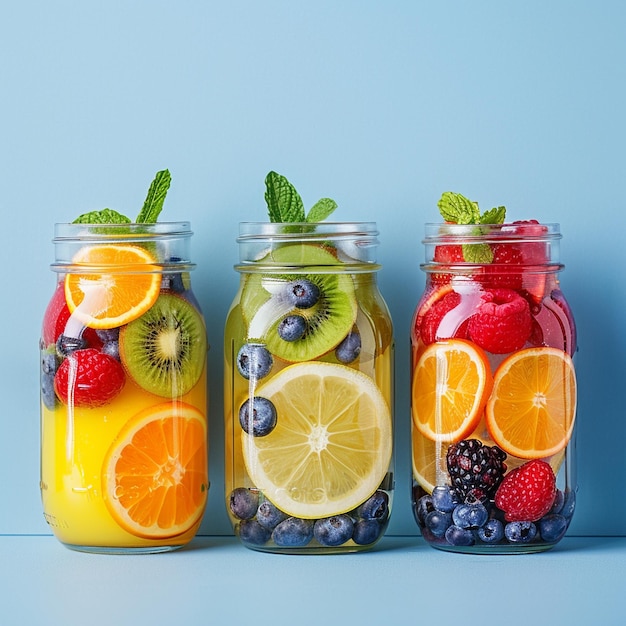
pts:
pixel 108 334
pixel 552 527
pixel 333 531
pixel 491 532
pixel 269 515
pixel 422 508
pixel 263 418
pixel 559 500
pixel 375 507
pixel 470 515
pixel 292 328
pixel 112 348
pixel 243 502
pixel 254 361
pixel 302 293
pixel 66 345
pixel 444 498
pixel 437 522
pixel 569 505
pixel 367 531
pixel 456 536
pixel 349 349
pixel 250 531
pixel 48 370
pixel 520 532
pixel 293 533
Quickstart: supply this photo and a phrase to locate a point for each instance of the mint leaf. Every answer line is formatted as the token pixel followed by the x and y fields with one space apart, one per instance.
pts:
pixel 284 203
pixel 458 209
pixel 494 216
pixel 477 253
pixel 153 203
pixel 321 210
pixel 105 216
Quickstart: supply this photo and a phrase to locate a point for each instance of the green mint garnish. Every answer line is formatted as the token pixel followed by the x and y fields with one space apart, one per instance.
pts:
pixel 149 213
pixel 105 216
pixel 493 216
pixel 285 205
pixel 321 210
pixel 153 203
pixel 458 209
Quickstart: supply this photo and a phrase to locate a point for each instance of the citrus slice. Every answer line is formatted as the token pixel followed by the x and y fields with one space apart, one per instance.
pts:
pixel 429 461
pixel 331 447
pixel 122 283
pixel 155 473
pixel 532 408
pixel 451 384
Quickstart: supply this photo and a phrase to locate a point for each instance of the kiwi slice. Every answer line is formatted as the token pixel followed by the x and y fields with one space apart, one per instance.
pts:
pixel 267 300
pixel 164 350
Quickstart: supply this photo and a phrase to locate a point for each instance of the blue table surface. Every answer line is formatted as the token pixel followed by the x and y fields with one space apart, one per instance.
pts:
pixel 215 580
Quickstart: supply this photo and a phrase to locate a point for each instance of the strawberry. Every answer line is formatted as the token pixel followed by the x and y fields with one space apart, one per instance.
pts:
pixel 89 377
pixel 502 322
pixel 527 492
pixel 446 255
pixel 55 320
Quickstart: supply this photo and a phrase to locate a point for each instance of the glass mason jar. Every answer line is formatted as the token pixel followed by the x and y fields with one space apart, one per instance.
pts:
pixel 123 390
pixel 308 393
pixel 493 396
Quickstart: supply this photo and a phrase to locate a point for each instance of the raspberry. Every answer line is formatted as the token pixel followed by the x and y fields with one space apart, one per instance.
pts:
pixel 431 319
pixel 502 323
pixel 476 470
pixel 527 492
pixel 95 378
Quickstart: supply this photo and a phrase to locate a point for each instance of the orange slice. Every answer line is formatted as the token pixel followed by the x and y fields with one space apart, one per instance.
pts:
pixel 451 383
pixel 121 283
pixel 429 461
pixel 155 473
pixel 532 409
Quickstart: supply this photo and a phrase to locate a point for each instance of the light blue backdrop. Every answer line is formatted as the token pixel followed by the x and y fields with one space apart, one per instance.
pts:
pixel 380 105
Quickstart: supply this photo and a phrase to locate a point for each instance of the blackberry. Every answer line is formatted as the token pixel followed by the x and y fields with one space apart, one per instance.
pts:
pixel 476 470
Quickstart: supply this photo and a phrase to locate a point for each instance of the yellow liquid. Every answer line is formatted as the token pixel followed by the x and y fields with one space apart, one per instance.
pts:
pixel 375 360
pixel 74 444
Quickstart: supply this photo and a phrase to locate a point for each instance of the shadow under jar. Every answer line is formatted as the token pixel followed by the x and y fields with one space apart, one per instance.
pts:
pixel 493 396
pixel 308 390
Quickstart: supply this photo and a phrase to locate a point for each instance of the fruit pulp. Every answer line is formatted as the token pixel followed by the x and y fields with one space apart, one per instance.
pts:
pixel 448 313
pixel 77 485
pixel 375 361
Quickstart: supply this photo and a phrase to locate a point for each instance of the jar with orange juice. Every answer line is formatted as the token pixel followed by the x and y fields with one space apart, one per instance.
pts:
pixel 123 385
pixel 493 396
pixel 308 383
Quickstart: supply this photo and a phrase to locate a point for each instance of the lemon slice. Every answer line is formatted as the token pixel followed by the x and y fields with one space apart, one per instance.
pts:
pixel 332 443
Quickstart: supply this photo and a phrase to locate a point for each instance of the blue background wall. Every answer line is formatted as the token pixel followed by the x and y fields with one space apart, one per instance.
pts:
pixel 380 105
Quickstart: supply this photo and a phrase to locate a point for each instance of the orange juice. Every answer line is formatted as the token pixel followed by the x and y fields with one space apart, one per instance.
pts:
pixel 123 394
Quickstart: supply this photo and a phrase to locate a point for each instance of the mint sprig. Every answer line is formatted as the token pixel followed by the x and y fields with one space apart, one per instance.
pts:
pixel 152 206
pixel 285 205
pixel 457 209
pixel 105 216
